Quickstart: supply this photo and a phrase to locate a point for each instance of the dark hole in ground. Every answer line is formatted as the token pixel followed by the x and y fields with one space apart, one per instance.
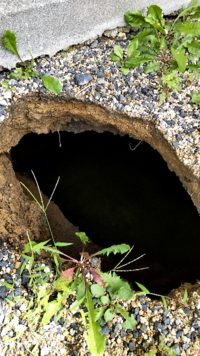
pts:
pixel 119 196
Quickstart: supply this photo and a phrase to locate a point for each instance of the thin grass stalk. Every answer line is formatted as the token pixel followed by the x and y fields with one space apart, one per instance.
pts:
pixel 124 257
pixel 128 263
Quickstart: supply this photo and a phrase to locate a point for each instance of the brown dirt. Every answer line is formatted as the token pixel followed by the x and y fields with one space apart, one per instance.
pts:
pixel 40 113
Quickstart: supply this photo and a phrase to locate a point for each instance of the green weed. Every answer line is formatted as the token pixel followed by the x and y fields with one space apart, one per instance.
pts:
pixel 163 46
pixel 107 288
pixel 26 70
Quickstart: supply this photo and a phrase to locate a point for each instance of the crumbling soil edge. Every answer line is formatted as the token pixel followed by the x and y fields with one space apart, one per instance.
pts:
pixel 41 113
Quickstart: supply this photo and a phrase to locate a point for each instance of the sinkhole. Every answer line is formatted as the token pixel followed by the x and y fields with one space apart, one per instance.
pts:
pixel 117 194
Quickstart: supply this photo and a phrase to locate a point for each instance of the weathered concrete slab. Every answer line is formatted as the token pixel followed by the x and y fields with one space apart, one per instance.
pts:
pixel 47 26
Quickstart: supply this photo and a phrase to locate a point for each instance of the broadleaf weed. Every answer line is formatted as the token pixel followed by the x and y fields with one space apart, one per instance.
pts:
pixel 108 289
pixel 163 46
pixel 26 70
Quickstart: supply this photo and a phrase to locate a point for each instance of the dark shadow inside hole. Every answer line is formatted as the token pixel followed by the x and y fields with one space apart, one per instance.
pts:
pixel 116 196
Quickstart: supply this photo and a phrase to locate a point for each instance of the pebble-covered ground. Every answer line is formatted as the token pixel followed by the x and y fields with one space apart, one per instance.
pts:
pixel 88 73
pixel 179 324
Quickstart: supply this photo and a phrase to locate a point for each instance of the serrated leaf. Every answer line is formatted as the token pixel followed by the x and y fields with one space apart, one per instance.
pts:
pixel 115 283
pixel 196 97
pixel 95 341
pixel 135 19
pixel 118 51
pixel 164 302
pixel 185 296
pixel 52 84
pixel 193 68
pixel 114 249
pixel 10 42
pixel 143 288
pixel 190 27
pixel 157 27
pixel 180 58
pixel 108 316
pixel 135 62
pixel 83 237
pixel 194 48
pixel 152 67
pixel 97 290
pixel 187 40
pixel 105 300
pixel 124 70
pixel 130 320
pixel 133 45
pixel 196 15
pixel 114 57
pixel 146 35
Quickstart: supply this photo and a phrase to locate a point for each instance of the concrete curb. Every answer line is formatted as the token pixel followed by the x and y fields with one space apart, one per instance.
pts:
pixel 48 26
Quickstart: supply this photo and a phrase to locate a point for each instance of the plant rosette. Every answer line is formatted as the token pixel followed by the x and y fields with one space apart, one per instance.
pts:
pixel 162 45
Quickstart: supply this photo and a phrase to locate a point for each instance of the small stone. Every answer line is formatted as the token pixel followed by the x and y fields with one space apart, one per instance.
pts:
pixel 131 345
pixel 94 259
pixel 81 79
pixel 175 144
pixel 1 109
pixel 100 74
pixel 100 81
pixel 75 58
pixel 94 44
pixel 187 310
pixel 44 350
pixel 123 333
pixel 175 348
pixel 72 332
pixel 105 330
pixel 117 328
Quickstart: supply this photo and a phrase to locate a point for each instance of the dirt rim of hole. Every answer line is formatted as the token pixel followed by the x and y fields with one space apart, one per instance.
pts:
pixel 44 113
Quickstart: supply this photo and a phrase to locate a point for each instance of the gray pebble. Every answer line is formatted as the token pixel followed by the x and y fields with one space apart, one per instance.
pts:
pixel 105 330
pixel 81 79
pixel 175 144
pixel 131 345
pixel 94 44
pixel 175 348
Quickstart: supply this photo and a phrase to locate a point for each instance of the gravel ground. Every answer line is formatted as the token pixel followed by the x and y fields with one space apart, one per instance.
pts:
pixel 88 74
pixel 179 324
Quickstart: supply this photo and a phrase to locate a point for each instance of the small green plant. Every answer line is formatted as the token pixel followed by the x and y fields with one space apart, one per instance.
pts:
pixel 108 289
pixel 6 85
pixel 163 45
pixel 26 70
pixel 162 349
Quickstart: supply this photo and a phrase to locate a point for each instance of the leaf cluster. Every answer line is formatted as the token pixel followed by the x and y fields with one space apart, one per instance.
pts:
pixel 26 70
pixel 162 349
pixel 162 45
pixel 102 297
